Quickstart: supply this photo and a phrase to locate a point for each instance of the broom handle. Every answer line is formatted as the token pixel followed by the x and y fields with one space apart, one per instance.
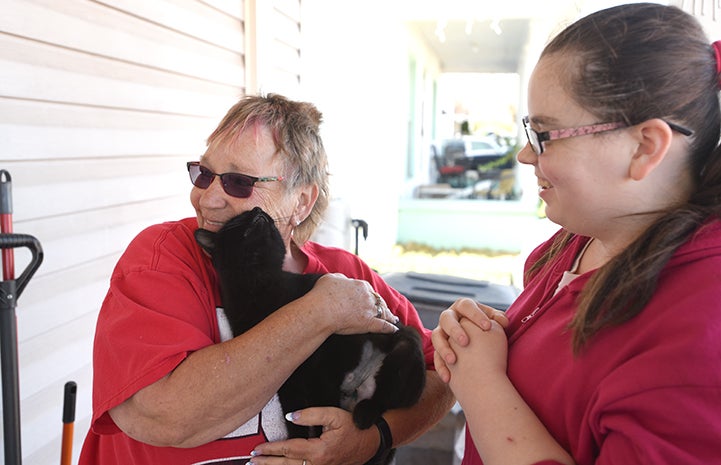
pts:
pixel 6 223
pixel 8 328
pixel 66 453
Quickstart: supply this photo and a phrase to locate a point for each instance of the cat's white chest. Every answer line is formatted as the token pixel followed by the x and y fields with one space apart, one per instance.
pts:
pixel 270 421
pixel 360 384
pixel 226 334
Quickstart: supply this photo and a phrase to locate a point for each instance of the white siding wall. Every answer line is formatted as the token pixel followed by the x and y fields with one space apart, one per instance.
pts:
pixel 273 48
pixel 101 102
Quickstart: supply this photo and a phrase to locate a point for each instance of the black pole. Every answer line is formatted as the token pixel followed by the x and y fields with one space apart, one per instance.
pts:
pixel 10 290
pixel 11 391
pixel 359 224
pixel 8 332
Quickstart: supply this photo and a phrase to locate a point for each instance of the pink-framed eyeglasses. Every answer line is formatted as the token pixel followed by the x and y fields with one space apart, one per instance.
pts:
pixel 536 139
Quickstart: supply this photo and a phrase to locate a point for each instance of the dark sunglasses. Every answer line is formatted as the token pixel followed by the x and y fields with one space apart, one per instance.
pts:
pixel 234 184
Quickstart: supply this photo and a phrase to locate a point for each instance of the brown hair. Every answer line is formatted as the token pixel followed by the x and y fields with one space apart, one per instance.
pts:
pixel 633 63
pixel 295 128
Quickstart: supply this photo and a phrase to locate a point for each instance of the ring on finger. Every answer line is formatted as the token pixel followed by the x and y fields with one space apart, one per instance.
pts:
pixel 379 304
pixel 303 461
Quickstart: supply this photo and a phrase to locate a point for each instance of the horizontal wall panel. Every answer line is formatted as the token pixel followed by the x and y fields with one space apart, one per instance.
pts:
pixel 286 29
pixel 31 52
pixel 48 174
pixel 69 189
pixel 84 89
pixel 285 57
pixel 233 9
pixel 47 143
pixel 284 82
pixel 118 85
pixel 66 348
pixel 32 143
pixel 66 252
pixel 47 363
pixel 85 28
pixel 50 300
pixel 66 115
pixel 289 8
pixel 188 17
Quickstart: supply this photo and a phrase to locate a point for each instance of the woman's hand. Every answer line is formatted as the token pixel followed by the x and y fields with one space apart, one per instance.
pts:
pixel 483 360
pixel 450 328
pixel 341 442
pixel 351 306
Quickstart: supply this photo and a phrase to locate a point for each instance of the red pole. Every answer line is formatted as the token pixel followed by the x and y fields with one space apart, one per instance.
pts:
pixel 6 223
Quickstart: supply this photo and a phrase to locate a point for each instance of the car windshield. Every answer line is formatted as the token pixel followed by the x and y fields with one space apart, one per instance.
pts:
pixel 481 145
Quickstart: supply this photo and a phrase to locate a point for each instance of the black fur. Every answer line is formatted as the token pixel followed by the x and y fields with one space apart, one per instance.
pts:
pixel 248 255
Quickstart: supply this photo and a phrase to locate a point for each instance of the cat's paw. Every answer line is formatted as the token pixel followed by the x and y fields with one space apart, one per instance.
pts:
pixel 366 413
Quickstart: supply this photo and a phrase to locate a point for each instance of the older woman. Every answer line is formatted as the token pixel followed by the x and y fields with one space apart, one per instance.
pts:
pixel 169 388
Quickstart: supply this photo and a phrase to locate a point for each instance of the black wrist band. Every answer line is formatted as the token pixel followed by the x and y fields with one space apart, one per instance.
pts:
pixel 386 440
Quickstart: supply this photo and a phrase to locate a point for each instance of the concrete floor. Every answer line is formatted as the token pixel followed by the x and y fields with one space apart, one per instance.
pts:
pixel 437 445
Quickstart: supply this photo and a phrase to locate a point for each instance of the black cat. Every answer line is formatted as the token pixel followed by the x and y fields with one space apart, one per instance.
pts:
pixel 365 374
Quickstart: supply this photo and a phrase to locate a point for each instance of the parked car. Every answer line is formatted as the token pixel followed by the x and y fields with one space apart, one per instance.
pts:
pixel 478 161
pixel 470 152
pixel 481 150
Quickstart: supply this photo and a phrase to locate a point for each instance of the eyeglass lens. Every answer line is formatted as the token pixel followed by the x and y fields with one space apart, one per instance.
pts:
pixel 532 137
pixel 234 184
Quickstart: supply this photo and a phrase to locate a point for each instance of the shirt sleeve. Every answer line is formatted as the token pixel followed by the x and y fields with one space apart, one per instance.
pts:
pixel 156 312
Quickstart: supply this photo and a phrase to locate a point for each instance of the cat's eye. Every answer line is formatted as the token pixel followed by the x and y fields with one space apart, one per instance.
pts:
pixel 234 184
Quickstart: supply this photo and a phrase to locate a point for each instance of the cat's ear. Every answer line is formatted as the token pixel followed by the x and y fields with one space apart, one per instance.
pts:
pixel 206 239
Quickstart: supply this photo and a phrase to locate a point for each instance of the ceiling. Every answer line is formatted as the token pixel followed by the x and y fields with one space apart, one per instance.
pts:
pixel 489 37
pixel 480 46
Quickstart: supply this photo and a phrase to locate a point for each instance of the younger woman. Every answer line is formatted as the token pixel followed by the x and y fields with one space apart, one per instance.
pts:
pixel 612 353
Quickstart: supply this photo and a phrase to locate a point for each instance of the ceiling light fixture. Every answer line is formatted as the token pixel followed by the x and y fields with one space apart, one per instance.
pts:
pixel 441 31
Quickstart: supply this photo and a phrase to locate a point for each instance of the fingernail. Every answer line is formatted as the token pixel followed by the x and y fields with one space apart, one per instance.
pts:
pixel 291 416
pixel 254 453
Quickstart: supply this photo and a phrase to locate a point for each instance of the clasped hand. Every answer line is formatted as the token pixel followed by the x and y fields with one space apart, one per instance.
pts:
pixel 469 333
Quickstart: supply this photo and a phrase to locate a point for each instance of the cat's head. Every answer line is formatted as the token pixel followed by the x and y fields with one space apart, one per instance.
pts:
pixel 250 239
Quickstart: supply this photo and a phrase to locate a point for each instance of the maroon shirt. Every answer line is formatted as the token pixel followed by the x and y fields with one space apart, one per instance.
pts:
pixel 645 392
